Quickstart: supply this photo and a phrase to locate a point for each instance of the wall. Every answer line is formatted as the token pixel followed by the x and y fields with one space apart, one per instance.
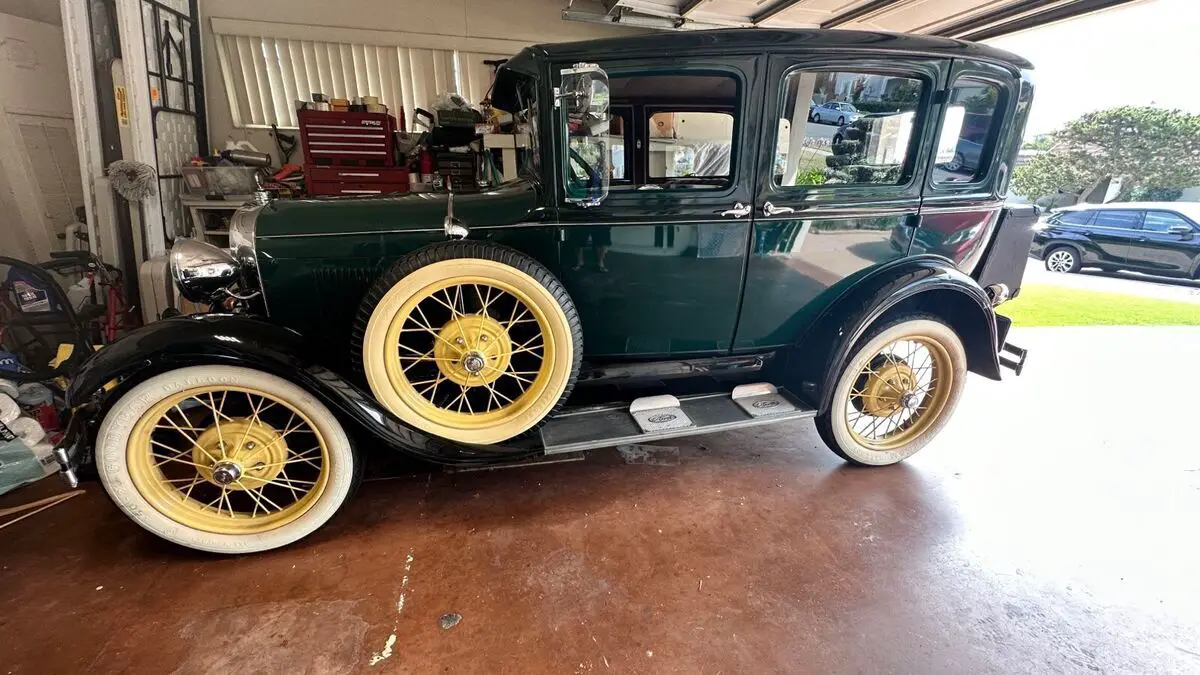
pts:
pixel 33 81
pixel 530 21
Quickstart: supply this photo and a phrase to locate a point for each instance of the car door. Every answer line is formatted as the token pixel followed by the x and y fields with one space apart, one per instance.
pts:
pixel 1112 232
pixel 962 200
pixel 656 269
pixel 1166 243
pixel 825 211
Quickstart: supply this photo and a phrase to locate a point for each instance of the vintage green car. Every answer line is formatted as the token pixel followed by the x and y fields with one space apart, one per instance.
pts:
pixel 683 252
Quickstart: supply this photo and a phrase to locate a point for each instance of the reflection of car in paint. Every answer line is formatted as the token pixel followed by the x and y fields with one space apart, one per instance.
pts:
pixel 952 235
pixel 834 112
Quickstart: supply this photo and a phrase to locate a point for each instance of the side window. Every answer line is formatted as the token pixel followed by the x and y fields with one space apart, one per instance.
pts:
pixel 857 129
pixel 1163 221
pixel 963 154
pixel 1076 217
pixel 673 131
pixel 1125 220
pixel 695 145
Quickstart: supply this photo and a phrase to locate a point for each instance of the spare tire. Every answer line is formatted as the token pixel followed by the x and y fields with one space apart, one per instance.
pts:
pixel 470 341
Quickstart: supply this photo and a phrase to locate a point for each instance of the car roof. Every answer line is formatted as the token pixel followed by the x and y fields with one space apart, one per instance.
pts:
pixel 746 39
pixel 1189 209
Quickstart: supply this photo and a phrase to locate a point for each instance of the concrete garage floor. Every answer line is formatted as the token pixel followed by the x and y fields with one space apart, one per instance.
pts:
pixel 1050 529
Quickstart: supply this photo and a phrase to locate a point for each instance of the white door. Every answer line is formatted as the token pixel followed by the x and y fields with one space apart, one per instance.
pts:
pixel 50 157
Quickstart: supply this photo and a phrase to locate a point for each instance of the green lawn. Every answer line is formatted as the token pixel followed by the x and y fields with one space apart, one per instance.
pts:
pixel 1057 306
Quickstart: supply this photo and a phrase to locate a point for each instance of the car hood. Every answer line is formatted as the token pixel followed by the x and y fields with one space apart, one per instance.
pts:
pixel 506 204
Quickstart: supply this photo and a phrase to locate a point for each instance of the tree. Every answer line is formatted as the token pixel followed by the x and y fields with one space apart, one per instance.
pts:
pixel 1148 148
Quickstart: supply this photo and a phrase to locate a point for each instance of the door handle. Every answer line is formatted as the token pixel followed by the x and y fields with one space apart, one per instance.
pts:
pixel 739 209
pixel 770 209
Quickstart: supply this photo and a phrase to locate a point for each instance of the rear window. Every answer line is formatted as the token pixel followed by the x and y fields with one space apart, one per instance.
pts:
pixel 964 152
pixel 1126 220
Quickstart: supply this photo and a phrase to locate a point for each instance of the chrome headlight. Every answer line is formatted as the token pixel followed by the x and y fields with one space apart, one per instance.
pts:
pixel 201 270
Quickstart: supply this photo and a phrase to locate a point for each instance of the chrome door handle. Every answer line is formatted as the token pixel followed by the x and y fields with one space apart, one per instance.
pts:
pixel 739 209
pixel 770 209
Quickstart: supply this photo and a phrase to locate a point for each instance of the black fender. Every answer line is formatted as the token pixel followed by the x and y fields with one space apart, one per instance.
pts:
pixel 238 340
pixel 926 283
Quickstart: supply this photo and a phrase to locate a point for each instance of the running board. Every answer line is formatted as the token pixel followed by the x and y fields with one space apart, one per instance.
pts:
pixel 658 417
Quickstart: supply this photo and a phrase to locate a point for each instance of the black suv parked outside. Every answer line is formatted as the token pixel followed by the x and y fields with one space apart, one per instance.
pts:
pixel 1151 237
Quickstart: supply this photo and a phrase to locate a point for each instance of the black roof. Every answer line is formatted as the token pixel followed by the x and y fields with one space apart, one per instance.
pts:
pixel 749 39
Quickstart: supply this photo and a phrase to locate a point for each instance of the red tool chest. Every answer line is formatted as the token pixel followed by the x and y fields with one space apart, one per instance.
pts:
pixel 350 153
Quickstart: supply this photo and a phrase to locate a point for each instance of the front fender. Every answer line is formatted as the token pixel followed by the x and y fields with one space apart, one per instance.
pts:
pixel 928 284
pixel 253 343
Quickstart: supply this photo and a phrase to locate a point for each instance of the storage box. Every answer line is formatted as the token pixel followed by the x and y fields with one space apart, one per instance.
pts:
pixel 219 181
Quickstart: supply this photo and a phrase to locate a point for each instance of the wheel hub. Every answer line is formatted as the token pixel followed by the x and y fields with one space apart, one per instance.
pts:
pixel 472 350
pixel 242 453
pixel 889 387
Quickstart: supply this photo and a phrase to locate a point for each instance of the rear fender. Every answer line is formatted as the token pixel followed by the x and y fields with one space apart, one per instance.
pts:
pixel 921 284
pixel 252 343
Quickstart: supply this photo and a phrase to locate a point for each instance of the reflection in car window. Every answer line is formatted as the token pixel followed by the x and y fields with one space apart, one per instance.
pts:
pixel 1076 218
pixel 857 129
pixel 1127 220
pixel 1163 221
pixel 971 109
pixel 690 144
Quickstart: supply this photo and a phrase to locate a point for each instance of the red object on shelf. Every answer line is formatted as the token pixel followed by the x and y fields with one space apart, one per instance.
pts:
pixel 346 181
pixel 347 139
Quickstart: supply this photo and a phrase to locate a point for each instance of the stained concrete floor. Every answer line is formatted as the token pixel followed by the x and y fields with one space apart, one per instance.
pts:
pixel 1050 529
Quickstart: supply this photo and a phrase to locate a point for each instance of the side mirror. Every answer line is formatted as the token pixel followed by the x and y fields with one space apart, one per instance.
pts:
pixel 583 100
pixel 1180 229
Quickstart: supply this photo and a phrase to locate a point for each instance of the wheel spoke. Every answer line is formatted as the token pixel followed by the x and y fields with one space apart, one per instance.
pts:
pixel 193 441
pixel 217 421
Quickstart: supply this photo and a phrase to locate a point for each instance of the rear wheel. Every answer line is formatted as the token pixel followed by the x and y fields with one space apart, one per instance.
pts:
pixel 472 342
pixel 896 392
pixel 225 459
pixel 1062 259
pixel 841 121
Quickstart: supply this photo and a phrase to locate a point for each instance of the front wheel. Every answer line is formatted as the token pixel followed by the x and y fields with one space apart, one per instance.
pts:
pixel 225 459
pixel 817 118
pixel 896 392
pixel 841 121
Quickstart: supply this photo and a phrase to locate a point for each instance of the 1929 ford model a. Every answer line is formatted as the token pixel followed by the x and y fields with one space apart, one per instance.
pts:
pixel 685 251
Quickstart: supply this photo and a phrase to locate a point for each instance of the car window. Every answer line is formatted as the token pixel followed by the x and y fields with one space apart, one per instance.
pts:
pixel 691 145
pixel 1163 221
pixel 878 112
pixel 1125 220
pixel 1076 217
pixel 673 131
pixel 970 120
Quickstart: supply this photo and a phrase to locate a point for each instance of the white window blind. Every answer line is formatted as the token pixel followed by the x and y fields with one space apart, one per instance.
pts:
pixel 264 77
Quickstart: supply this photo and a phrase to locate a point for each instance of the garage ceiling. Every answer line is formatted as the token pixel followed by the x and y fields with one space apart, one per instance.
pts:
pixel 966 19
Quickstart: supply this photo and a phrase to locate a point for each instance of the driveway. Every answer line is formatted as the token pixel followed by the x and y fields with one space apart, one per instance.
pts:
pixel 1132 283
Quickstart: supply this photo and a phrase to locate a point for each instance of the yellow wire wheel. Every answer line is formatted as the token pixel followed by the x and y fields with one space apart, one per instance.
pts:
pixel 471 342
pixel 224 459
pixel 896 393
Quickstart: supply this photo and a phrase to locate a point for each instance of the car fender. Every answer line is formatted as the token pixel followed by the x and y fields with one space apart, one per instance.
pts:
pixel 245 341
pixel 928 284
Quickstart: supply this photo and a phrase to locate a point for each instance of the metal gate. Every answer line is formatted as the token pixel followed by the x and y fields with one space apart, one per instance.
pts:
pixel 176 99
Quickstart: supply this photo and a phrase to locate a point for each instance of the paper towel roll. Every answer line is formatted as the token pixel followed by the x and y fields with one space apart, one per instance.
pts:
pixel 28 430
pixel 9 410
pixel 9 387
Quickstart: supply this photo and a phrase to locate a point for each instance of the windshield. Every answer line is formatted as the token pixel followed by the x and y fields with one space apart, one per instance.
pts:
pixel 516 94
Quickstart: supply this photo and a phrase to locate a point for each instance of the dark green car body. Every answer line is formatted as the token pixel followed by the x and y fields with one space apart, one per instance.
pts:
pixel 683 280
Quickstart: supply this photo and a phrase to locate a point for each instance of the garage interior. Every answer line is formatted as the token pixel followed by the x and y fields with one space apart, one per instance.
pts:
pixel 1016 542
